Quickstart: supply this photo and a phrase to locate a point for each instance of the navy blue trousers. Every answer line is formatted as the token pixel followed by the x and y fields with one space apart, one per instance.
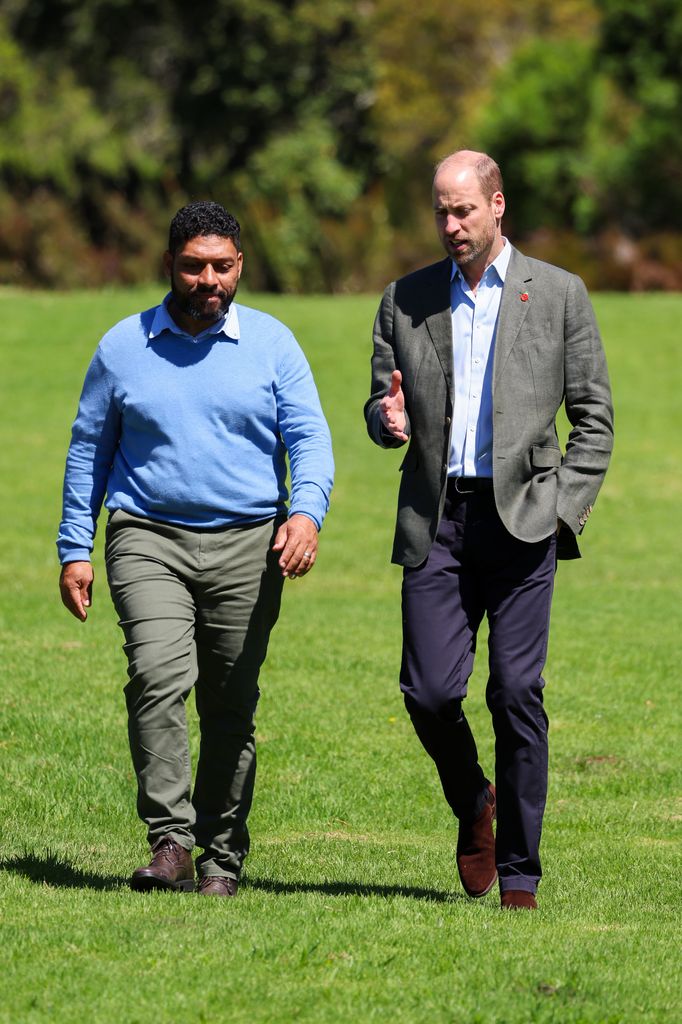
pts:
pixel 476 568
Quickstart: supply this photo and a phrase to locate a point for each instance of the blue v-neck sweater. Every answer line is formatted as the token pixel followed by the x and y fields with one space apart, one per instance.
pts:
pixel 194 430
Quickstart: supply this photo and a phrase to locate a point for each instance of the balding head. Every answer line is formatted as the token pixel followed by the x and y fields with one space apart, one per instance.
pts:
pixel 468 205
pixel 484 167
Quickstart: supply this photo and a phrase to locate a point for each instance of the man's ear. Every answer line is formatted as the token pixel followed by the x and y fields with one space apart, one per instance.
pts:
pixel 168 263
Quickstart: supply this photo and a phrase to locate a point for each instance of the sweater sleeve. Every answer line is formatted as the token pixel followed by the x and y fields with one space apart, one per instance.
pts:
pixel 305 434
pixel 94 439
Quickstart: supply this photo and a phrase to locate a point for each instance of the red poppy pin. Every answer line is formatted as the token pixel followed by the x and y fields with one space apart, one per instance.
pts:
pixel 524 296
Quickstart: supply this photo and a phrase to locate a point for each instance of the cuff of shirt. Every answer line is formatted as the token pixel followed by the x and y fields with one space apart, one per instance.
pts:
pixel 74 555
pixel 310 500
pixel 307 514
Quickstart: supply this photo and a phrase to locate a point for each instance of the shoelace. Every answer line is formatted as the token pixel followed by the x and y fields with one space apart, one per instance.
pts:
pixel 165 848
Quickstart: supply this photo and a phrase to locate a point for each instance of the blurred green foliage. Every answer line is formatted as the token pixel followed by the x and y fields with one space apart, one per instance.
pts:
pixel 536 129
pixel 318 124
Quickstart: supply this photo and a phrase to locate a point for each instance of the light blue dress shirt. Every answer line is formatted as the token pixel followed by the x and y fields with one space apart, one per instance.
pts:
pixel 474 325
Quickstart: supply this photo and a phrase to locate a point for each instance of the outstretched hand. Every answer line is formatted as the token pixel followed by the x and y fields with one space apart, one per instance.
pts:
pixel 75 586
pixel 392 408
pixel 297 540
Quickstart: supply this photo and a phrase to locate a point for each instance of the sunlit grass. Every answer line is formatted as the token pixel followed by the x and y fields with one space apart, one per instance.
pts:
pixel 350 908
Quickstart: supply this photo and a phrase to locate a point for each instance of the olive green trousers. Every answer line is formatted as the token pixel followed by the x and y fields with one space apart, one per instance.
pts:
pixel 196 608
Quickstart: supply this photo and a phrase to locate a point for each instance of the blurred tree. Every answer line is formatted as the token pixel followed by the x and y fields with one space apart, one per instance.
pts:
pixel 534 125
pixel 60 159
pixel 247 102
pixel 631 173
pixel 228 75
pixel 319 124
pixel 587 131
pixel 435 64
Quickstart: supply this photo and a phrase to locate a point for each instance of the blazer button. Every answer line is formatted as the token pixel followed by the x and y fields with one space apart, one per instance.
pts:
pixel 448 421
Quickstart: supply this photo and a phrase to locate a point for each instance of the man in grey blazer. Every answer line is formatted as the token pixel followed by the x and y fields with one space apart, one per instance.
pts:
pixel 473 358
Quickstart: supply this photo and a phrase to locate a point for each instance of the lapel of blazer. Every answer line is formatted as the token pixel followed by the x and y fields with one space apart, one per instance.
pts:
pixel 513 309
pixel 438 316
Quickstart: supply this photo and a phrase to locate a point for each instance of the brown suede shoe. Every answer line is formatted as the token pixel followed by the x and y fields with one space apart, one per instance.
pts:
pixel 476 851
pixel 217 885
pixel 171 867
pixel 518 899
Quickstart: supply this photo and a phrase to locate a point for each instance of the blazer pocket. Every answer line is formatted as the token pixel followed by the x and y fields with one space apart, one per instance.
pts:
pixel 410 462
pixel 545 456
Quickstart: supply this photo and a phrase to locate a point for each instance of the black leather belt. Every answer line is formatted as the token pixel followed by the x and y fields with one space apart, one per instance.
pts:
pixel 469 484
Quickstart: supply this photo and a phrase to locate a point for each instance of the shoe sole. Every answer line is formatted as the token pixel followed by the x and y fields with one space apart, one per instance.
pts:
pixel 149 884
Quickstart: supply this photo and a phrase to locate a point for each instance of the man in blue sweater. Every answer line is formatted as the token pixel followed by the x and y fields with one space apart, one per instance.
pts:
pixel 187 413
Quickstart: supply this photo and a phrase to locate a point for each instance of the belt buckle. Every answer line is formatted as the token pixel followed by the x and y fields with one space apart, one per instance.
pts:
pixel 457 488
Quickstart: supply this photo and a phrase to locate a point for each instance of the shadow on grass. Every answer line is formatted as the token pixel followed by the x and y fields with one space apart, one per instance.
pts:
pixel 53 870
pixel 351 889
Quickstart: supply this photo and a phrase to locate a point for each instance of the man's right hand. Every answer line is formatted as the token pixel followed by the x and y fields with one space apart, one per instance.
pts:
pixel 392 408
pixel 75 586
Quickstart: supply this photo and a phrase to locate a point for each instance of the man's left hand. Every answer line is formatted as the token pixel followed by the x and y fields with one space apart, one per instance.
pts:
pixel 297 540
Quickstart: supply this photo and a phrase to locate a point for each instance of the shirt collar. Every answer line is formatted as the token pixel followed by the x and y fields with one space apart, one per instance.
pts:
pixel 500 265
pixel 163 321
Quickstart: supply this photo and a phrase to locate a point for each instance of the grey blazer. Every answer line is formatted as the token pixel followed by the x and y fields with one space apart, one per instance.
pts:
pixel 547 352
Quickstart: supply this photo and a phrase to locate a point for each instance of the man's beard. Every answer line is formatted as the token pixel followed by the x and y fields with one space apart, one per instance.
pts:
pixel 191 304
pixel 475 247
pixel 467 255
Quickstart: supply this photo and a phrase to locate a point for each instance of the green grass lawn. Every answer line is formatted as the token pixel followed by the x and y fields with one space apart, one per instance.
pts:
pixel 350 908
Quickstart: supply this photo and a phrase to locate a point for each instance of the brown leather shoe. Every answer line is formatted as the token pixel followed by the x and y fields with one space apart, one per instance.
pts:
pixel 518 899
pixel 217 885
pixel 476 851
pixel 171 867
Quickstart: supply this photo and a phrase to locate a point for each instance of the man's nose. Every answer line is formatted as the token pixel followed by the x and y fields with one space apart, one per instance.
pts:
pixel 208 276
pixel 451 224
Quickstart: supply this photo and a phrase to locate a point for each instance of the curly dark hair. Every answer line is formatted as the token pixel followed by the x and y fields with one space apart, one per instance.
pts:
pixel 200 219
